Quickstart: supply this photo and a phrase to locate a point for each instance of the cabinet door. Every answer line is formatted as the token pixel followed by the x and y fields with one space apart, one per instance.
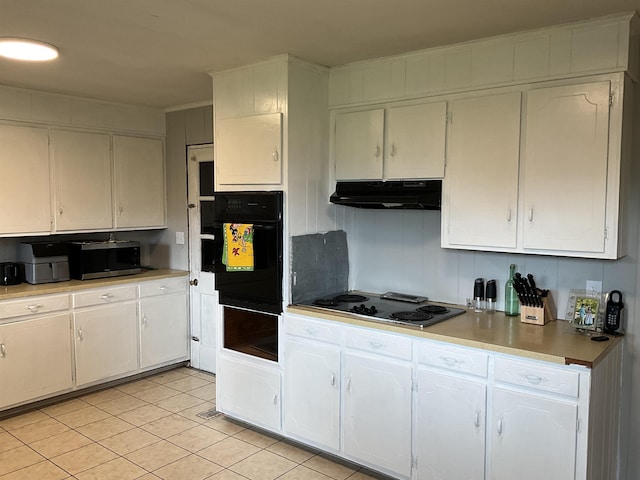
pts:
pixel 164 329
pixel 565 167
pixel 106 341
pixel 24 170
pixel 249 150
pixel 248 391
pixel 415 141
pixel 35 359
pixel 139 182
pixel 480 197
pixel 532 437
pixel 358 145
pixel 312 393
pixel 377 412
pixel 450 427
pixel 82 180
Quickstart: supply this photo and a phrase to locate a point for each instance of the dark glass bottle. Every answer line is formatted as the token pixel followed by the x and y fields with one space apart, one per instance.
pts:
pixel 511 302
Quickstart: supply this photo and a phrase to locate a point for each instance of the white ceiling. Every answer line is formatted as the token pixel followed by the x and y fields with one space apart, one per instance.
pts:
pixel 158 52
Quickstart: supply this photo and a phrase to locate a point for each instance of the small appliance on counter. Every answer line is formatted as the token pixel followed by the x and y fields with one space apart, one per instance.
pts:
pixel 103 258
pixel 11 273
pixel 44 262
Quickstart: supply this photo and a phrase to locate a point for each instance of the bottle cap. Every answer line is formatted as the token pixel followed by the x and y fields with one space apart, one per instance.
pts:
pixel 491 290
pixel 478 288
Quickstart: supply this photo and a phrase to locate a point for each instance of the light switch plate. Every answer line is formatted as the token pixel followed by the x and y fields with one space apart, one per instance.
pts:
pixel 179 238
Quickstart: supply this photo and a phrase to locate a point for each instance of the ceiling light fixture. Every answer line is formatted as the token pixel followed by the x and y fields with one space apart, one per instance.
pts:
pixel 26 49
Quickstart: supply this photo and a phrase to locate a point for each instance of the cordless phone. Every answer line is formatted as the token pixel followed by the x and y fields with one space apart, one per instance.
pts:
pixel 613 314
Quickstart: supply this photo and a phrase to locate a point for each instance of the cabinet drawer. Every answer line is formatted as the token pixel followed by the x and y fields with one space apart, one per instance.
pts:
pixel 453 358
pixel 163 287
pixel 316 330
pixel 378 342
pixel 33 305
pixel 100 296
pixel 537 376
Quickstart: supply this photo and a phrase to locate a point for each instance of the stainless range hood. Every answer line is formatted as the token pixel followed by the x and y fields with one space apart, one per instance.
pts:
pixel 412 194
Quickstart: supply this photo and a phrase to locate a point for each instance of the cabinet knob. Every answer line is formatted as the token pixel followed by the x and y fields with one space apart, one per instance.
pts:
pixel 194 282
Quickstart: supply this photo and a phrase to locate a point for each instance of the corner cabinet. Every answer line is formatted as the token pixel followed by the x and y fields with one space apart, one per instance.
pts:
pixel 396 143
pixel 555 184
pixel 249 150
pixel 24 169
pixel 139 182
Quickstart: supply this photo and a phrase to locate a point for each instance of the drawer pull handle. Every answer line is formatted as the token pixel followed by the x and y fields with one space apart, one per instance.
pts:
pixel 163 288
pixel 311 331
pixel 80 334
pixel 394 150
pixel 509 215
pixel 500 427
pixel 452 362
pixel 378 151
pixel 333 379
pixel 275 154
pixel 477 419
pixel 34 308
pixel 275 399
pixel 145 322
pixel 349 384
pixel 106 296
pixel 376 345
pixel 531 215
pixel 3 350
pixel 534 379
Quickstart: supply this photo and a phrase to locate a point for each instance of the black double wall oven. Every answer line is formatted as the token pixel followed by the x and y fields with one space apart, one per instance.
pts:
pixel 251 299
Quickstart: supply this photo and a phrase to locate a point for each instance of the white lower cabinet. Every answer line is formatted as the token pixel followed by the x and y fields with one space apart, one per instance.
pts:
pixel 450 427
pixel 377 412
pixel 532 437
pixel 106 342
pixel 312 393
pixel 35 358
pixel 249 390
pixel 164 322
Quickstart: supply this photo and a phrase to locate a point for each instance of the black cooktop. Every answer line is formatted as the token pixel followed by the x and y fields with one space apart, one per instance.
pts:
pixel 417 313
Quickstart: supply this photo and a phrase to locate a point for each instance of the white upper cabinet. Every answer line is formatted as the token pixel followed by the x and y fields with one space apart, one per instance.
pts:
pixel 82 180
pixel 480 196
pixel 415 141
pixel 565 161
pixel 249 150
pixel 24 170
pixel 400 142
pixel 358 145
pixel 139 188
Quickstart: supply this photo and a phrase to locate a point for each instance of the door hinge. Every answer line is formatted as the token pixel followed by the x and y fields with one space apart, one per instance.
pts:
pixel 414 386
pixel 448 117
pixel 414 463
pixel 606 233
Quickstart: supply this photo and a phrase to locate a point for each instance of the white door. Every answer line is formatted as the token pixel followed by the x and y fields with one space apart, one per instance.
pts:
pixel 415 141
pixel 377 412
pixel 82 180
pixel 450 427
pixel 480 197
pixel 249 150
pixel 312 393
pixel 565 164
pixel 532 437
pixel 203 297
pixel 358 147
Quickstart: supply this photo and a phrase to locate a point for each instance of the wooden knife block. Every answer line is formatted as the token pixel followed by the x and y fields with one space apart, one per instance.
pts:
pixel 539 315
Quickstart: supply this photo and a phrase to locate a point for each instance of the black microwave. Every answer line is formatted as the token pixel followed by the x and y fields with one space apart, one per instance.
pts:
pixel 100 259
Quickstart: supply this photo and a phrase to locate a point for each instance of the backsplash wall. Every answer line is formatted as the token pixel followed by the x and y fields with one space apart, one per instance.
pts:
pixel 400 251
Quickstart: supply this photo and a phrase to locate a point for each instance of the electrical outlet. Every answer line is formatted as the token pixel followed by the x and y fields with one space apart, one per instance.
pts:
pixel 594 286
pixel 179 238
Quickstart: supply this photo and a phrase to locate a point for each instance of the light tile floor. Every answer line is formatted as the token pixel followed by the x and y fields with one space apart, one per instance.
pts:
pixel 149 429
